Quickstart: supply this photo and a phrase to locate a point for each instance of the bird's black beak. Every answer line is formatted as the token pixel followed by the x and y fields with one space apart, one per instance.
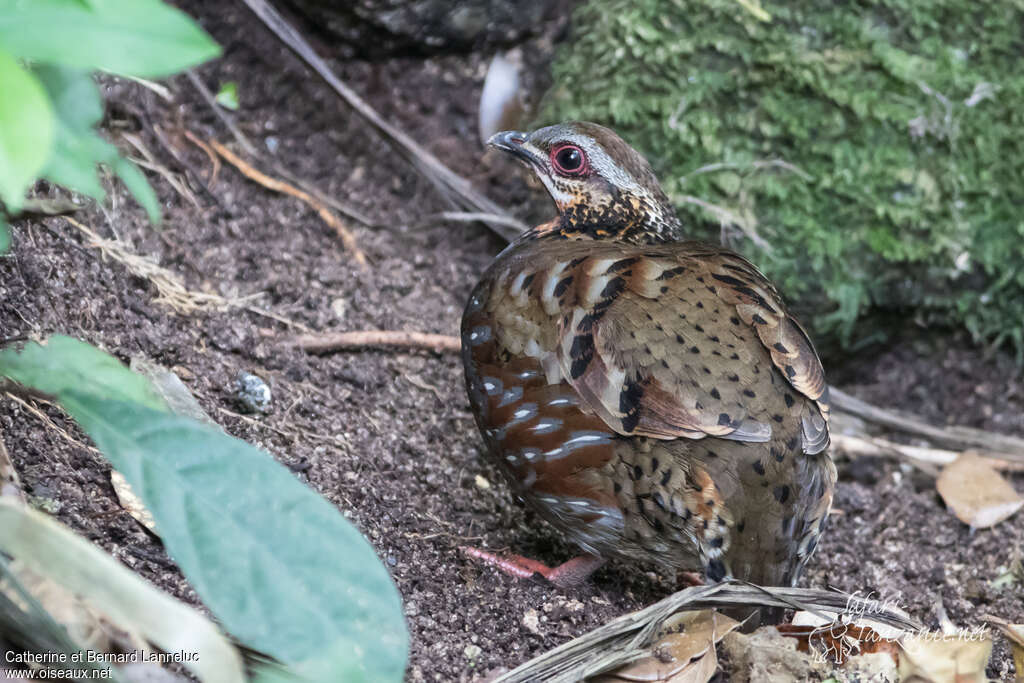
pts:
pixel 515 143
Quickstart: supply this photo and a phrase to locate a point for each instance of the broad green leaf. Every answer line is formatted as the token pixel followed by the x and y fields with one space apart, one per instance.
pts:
pixel 144 38
pixel 140 188
pixel 51 550
pixel 26 130
pixel 79 148
pixel 5 237
pixel 64 364
pixel 278 565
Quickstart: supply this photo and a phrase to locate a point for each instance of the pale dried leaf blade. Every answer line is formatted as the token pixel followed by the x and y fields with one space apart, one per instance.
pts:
pixel 10 483
pixel 85 625
pixel 977 494
pixel 52 551
pixel 939 658
pixel 684 652
pixel 172 390
pixel 130 502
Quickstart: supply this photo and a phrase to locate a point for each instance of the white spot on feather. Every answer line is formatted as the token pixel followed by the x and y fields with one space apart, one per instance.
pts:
pixel 547 296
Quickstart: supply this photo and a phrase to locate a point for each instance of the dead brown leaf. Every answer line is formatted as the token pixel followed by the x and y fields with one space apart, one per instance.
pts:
pixel 684 653
pixel 941 658
pixel 977 494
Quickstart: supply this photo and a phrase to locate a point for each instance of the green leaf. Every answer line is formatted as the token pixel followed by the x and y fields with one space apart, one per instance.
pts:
pixel 64 364
pixel 5 237
pixel 79 148
pixel 145 38
pixel 140 188
pixel 51 550
pixel 227 96
pixel 278 565
pixel 26 130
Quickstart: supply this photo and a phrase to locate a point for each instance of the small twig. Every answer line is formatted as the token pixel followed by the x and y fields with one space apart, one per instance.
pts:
pixel 152 164
pixel 477 217
pixel 214 159
pixel 344 209
pixel 161 90
pixel 336 341
pixel 283 432
pixel 756 165
pixel 242 140
pixel 190 168
pixel 727 216
pixel 346 235
pixel 279 318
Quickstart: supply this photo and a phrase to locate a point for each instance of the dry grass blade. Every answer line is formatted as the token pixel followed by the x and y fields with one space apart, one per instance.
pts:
pixel 748 225
pixel 626 638
pixel 346 235
pixel 52 551
pixel 476 217
pixel 171 291
pixel 457 188
pixel 150 162
pixel 321 343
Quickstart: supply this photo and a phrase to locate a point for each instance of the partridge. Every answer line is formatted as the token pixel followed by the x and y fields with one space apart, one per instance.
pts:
pixel 650 397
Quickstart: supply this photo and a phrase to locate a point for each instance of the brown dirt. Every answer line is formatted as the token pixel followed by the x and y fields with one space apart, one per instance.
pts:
pixel 386 435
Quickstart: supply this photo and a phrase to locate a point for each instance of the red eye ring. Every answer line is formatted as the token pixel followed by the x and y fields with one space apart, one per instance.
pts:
pixel 569 160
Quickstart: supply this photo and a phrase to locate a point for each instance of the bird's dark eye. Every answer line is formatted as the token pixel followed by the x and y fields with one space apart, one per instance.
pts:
pixel 569 160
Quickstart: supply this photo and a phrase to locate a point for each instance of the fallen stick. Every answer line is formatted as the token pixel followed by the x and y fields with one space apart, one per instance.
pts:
pixel 924 458
pixel 451 184
pixel 956 438
pixel 335 341
pixel 474 217
pixel 346 235
pixel 624 639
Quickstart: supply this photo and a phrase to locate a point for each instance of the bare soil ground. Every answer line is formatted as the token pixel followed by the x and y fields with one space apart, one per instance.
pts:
pixel 387 435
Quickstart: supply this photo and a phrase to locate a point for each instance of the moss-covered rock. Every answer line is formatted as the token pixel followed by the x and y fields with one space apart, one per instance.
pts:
pixel 866 155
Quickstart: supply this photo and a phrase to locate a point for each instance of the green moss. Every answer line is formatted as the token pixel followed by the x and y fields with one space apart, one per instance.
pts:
pixel 874 150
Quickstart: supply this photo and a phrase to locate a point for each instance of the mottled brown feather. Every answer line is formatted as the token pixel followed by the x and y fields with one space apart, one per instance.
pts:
pixel 651 398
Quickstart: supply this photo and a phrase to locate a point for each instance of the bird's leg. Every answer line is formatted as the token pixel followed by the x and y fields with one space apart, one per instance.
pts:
pixel 570 573
pixel 689 580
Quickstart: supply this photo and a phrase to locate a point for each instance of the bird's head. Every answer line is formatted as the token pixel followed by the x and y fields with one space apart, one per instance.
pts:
pixel 600 184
